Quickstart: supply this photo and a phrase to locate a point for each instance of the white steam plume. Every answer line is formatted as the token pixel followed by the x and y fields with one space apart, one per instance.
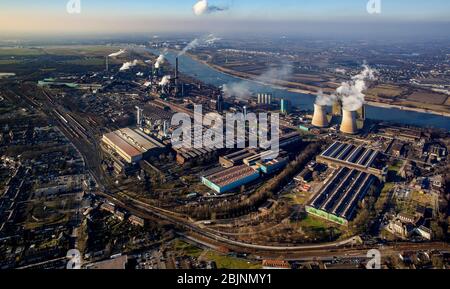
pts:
pixel 273 75
pixel 115 54
pixel 128 65
pixel 351 92
pixel 203 41
pixel 242 89
pixel 325 99
pixel 165 80
pixel 202 7
pixel 192 45
pixel 161 59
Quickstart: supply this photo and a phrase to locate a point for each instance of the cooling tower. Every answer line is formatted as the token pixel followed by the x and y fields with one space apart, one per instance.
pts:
pixel 348 124
pixel 320 116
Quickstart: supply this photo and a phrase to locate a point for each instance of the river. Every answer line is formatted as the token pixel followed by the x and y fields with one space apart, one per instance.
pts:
pixel 208 75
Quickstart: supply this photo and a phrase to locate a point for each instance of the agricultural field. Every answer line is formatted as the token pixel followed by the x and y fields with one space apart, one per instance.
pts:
pixel 385 91
pixel 428 97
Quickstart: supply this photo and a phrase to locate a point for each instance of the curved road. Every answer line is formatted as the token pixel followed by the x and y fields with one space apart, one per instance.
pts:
pixel 168 216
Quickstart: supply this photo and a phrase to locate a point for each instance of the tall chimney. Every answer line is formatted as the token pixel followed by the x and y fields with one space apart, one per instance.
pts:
pixel 320 116
pixel 348 124
pixel 176 69
pixel 107 63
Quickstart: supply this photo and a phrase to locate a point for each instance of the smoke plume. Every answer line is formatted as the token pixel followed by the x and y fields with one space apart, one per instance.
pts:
pixel 192 45
pixel 273 75
pixel 242 89
pixel 325 99
pixel 128 65
pixel 115 54
pixel 203 41
pixel 351 92
pixel 160 61
pixel 202 7
pixel 165 80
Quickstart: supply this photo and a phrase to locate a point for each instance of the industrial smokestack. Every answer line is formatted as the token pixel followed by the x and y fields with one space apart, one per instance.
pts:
pixel 320 118
pixel 176 69
pixel 348 124
pixel 107 63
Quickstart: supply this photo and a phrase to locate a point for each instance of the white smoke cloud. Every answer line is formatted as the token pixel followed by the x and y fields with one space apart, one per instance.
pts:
pixel 192 45
pixel 340 70
pixel 325 99
pixel 242 89
pixel 202 7
pixel 203 41
pixel 211 39
pixel 161 59
pixel 128 65
pixel 275 74
pixel 115 54
pixel 351 92
pixel 165 80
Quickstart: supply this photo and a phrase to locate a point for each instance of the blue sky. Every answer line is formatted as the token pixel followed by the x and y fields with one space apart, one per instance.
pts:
pixel 167 15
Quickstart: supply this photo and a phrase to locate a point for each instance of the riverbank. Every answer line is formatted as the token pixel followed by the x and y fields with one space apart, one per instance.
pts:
pixel 309 92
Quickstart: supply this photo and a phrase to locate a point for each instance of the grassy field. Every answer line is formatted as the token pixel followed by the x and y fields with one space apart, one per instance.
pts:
pixel 314 223
pixel 428 97
pixel 21 51
pixel 385 91
pixel 227 262
pixel 9 61
pixel 222 261
pixel 87 62
pixel 396 166
pixel 187 249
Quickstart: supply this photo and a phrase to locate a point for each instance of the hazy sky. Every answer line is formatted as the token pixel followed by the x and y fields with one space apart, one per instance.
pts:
pixel 133 16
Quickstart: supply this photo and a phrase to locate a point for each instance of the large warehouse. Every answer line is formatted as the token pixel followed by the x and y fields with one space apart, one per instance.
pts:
pixel 338 200
pixel 229 179
pixel 353 157
pixel 131 144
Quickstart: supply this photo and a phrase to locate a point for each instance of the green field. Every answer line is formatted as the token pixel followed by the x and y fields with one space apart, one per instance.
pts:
pixel 314 223
pixel 187 249
pixel 227 262
pixel 21 51
pixel 87 62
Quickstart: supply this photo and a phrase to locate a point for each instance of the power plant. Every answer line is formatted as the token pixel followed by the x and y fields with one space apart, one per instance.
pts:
pixel 349 125
pixel 320 118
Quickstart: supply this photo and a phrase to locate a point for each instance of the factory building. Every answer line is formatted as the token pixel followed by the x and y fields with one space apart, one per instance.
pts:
pixel 338 199
pixel 131 145
pixel 273 166
pixel 236 158
pixel 351 156
pixel 229 179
